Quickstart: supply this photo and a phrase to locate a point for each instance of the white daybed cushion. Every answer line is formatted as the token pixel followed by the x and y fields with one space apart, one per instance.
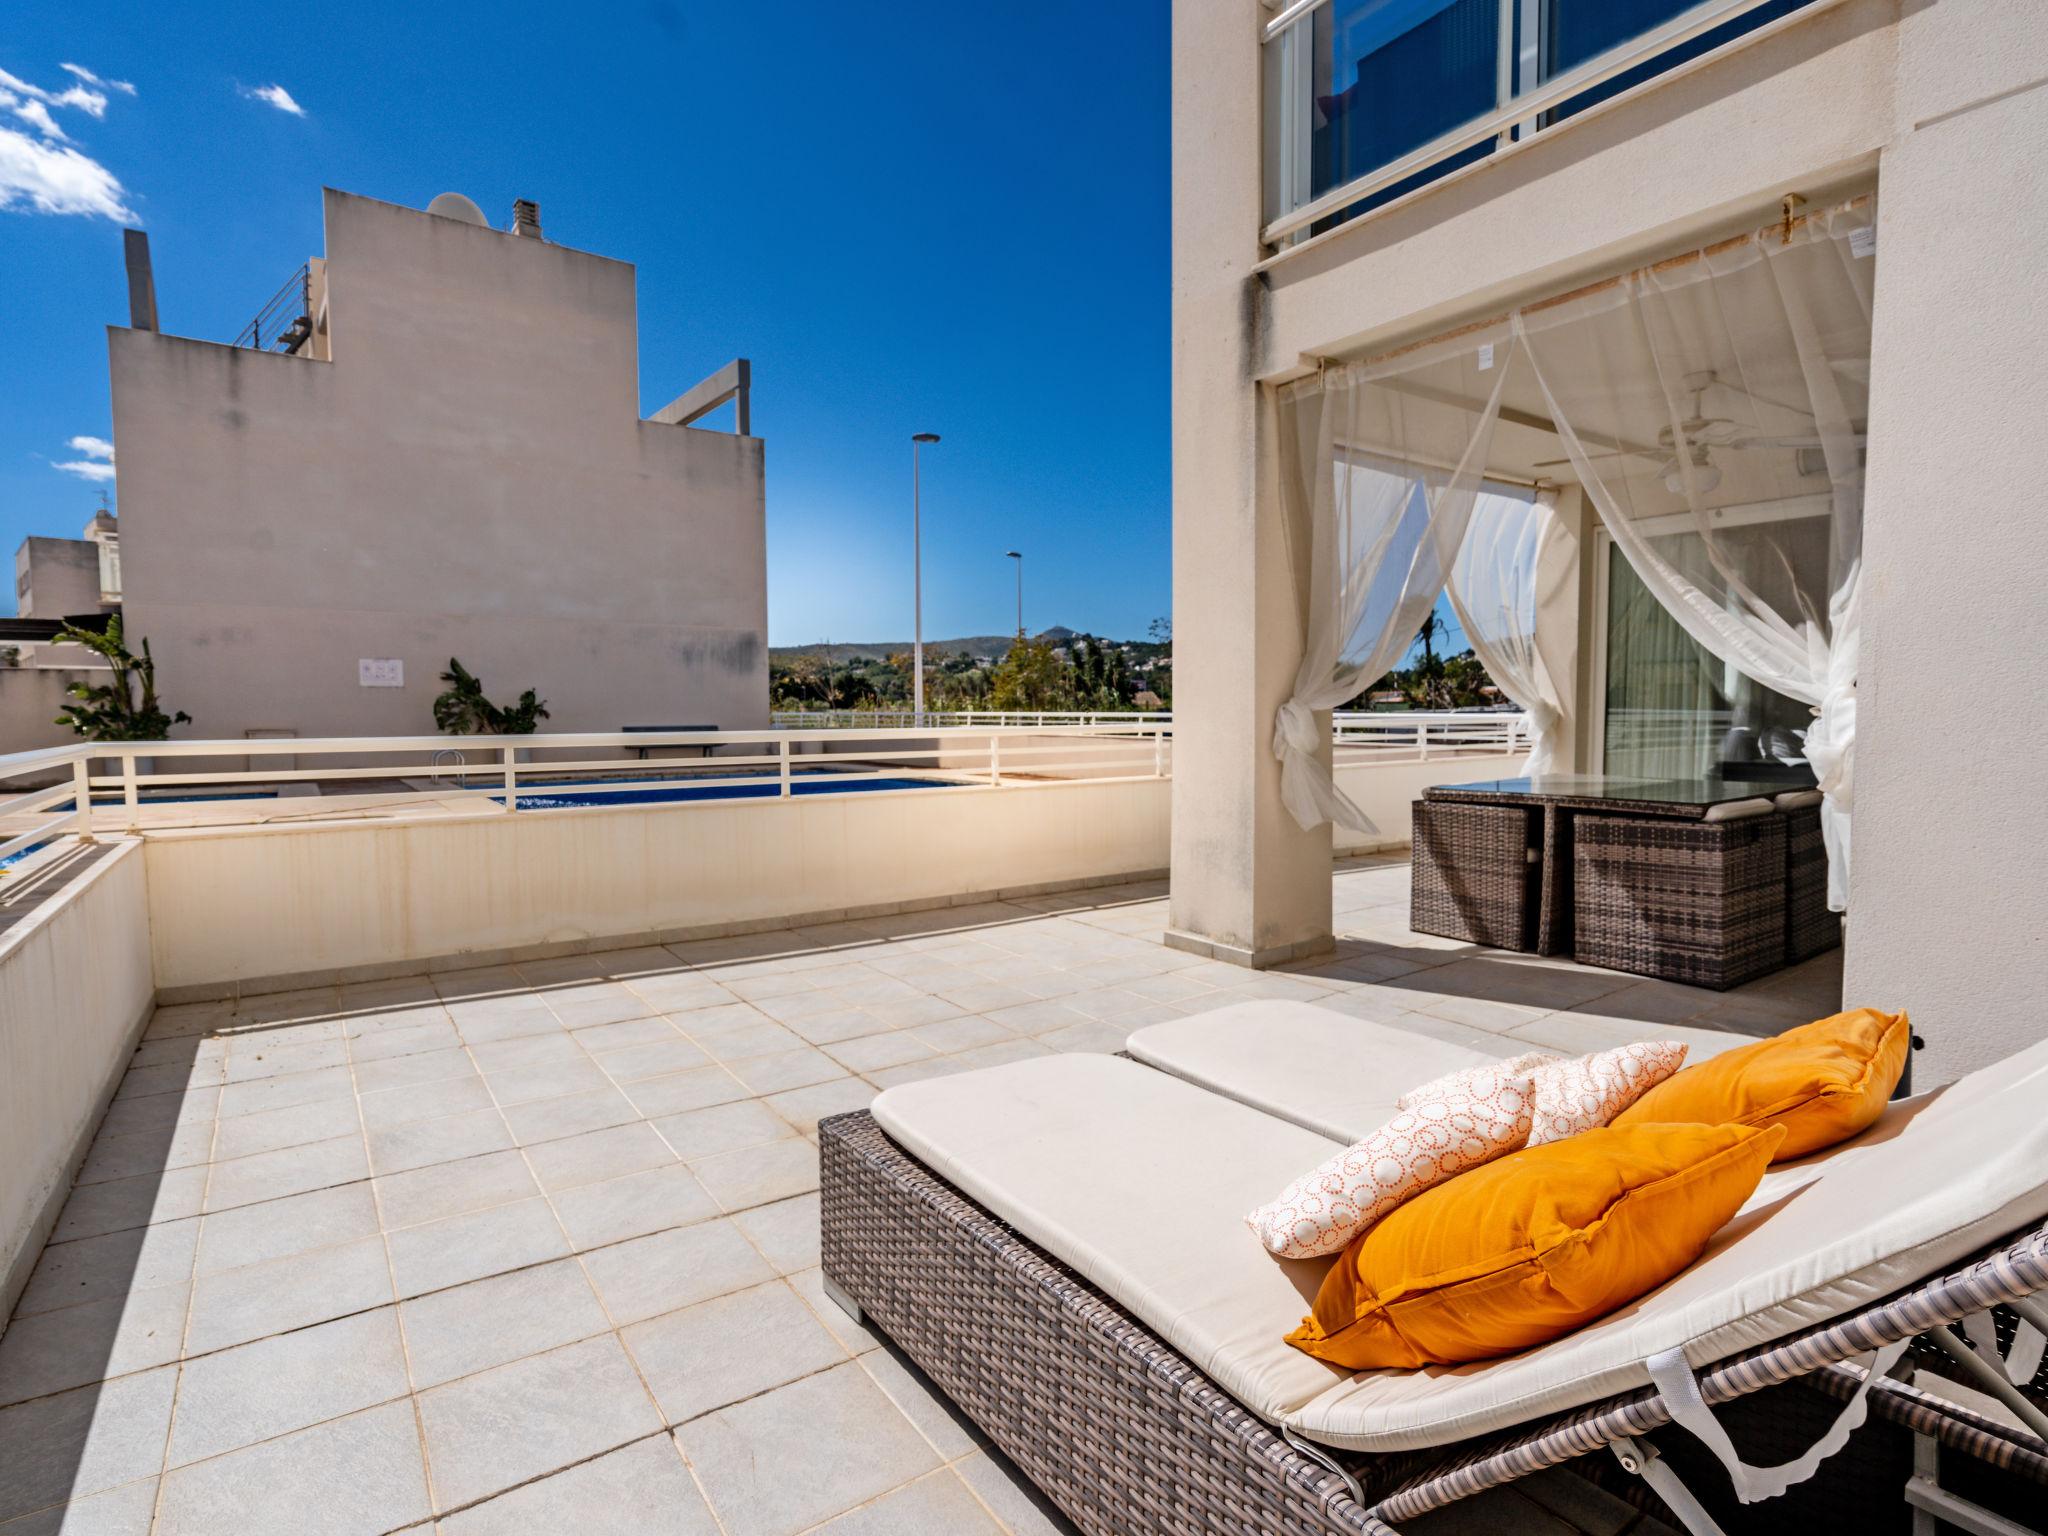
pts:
pixel 1140 1182
pixel 1936 1178
pixel 1335 1073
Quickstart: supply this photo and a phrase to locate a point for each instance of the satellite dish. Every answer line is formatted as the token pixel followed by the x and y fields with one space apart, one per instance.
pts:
pixel 453 205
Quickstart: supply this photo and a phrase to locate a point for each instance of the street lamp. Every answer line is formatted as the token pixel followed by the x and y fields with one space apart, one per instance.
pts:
pixel 917 441
pixel 1018 556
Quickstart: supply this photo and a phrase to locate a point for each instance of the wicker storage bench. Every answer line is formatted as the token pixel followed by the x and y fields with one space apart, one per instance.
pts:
pixel 1129 1439
pixel 1697 902
pixel 1476 873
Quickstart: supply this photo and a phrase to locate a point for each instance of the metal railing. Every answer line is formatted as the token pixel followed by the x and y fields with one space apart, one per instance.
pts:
pixel 1386 736
pixel 285 323
pixel 99 787
pixel 946 719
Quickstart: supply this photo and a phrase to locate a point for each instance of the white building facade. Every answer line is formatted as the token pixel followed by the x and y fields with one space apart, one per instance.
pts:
pixel 1352 181
pixel 449 462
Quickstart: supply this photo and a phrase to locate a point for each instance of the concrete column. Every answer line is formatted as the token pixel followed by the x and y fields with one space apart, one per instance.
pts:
pixel 1949 901
pixel 1249 886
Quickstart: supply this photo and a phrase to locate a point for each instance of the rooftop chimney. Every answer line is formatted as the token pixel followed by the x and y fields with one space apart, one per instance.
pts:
pixel 141 282
pixel 525 217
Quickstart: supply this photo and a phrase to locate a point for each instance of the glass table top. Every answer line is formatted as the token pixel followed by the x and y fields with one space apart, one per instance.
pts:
pixel 1678 794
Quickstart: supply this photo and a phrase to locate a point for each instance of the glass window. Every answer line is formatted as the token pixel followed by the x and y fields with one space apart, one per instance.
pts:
pixel 1673 710
pixel 1577 30
pixel 1389 76
pixel 1355 85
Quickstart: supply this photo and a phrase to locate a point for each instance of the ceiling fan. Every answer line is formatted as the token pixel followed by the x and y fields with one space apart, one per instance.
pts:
pixel 1703 433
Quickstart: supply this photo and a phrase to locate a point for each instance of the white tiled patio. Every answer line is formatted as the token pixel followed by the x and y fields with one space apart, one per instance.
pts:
pixel 535 1247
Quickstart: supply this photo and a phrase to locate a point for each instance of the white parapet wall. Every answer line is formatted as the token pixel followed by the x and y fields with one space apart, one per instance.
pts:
pixel 238 907
pixel 249 907
pixel 75 993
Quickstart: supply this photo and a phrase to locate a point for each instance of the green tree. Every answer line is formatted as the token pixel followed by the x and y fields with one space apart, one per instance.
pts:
pixel 464 711
pixel 1031 677
pixel 115 710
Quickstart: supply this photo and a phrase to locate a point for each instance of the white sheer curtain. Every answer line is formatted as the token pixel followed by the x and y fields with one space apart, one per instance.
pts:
pixel 1516 555
pixel 1381 465
pixel 1709 395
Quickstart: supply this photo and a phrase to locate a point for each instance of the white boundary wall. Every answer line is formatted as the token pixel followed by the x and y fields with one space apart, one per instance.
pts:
pixel 75 993
pixel 245 907
pixel 232 906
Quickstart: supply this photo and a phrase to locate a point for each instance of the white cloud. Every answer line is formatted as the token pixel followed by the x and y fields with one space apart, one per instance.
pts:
pixel 82 73
pixel 277 96
pixel 36 115
pixel 98 463
pixel 54 178
pixel 45 174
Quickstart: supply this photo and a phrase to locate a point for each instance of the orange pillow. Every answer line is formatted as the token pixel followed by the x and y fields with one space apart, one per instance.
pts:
pixel 1534 1245
pixel 1824 1082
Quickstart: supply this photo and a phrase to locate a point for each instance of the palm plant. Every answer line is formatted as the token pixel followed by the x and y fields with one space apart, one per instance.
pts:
pixel 115 710
pixel 464 711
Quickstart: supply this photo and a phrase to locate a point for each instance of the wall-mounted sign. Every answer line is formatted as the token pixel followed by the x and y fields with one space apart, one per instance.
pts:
pixel 385 672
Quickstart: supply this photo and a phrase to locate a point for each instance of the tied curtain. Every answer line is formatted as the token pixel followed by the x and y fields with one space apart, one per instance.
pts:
pixel 1381 481
pixel 1713 409
pixel 1517 559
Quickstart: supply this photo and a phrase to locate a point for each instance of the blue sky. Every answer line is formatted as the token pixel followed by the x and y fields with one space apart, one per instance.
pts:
pixel 936 217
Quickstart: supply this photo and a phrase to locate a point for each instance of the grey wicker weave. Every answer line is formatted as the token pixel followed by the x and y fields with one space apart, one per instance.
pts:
pixel 1475 873
pixel 1127 1437
pixel 1810 928
pixel 1700 902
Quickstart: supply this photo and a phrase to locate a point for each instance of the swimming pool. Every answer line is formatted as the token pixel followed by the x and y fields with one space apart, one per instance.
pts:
pixel 549 797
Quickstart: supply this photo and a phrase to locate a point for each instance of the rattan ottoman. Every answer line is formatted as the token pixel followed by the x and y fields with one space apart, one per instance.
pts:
pixel 1475 873
pixel 1702 902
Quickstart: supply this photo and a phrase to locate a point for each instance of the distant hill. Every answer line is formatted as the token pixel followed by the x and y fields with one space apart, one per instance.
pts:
pixel 990 646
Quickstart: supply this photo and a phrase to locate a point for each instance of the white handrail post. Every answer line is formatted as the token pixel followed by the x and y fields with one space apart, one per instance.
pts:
pixel 131 792
pixel 782 765
pixel 1158 753
pixel 511 760
pixel 81 795
pixel 995 762
pixel 1422 741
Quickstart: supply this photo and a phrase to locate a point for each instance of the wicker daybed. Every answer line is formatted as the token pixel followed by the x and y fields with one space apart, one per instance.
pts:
pixel 1100 1382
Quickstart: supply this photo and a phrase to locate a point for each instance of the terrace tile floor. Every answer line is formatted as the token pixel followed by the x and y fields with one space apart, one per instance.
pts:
pixel 535 1247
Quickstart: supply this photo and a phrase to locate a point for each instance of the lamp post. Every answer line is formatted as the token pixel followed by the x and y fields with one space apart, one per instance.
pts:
pixel 917 441
pixel 1018 556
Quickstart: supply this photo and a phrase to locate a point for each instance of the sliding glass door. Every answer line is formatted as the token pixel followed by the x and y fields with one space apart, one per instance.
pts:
pixel 1672 710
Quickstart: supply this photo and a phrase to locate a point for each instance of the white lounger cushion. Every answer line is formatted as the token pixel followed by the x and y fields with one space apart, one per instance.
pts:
pixel 1140 1182
pixel 1935 1179
pixel 1332 1072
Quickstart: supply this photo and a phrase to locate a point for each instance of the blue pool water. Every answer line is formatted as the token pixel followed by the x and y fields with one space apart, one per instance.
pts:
pixel 559 797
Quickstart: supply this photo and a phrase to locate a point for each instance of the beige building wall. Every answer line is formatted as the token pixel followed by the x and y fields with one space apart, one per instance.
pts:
pixel 460 468
pixel 1942 105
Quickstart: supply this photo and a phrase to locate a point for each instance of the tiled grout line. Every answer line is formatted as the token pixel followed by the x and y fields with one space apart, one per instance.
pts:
pixel 191 1297
pixel 582 1268
pixel 419 1423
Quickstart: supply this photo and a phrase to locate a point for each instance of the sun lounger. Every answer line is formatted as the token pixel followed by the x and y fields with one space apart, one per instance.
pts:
pixel 1059 1243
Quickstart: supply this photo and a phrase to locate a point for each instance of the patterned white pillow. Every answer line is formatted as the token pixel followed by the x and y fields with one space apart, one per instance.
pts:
pixel 1484 1118
pixel 1588 1091
pixel 1459 1081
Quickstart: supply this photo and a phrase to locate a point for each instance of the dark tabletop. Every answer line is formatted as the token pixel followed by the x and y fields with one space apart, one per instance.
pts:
pixel 1670 797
